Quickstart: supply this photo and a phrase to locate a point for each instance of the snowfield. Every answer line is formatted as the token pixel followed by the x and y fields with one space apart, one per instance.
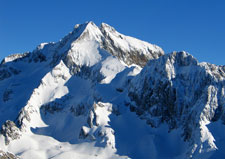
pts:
pixel 99 94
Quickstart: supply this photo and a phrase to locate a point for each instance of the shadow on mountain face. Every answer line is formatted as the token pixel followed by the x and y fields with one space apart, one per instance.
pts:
pixel 18 84
pixel 136 139
pixel 65 117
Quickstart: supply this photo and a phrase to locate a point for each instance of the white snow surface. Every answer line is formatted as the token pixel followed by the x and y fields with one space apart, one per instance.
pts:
pixel 72 99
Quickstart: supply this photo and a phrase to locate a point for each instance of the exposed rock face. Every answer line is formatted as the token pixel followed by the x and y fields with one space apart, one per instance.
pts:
pixel 177 90
pixel 96 87
pixel 6 95
pixel 7 155
pixel 14 57
pixel 125 49
pixel 8 72
pixel 97 127
pixel 10 131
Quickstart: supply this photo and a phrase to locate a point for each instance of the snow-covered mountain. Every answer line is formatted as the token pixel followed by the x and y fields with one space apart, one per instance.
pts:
pixel 100 94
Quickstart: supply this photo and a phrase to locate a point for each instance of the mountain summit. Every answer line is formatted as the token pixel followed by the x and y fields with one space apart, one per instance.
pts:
pixel 97 93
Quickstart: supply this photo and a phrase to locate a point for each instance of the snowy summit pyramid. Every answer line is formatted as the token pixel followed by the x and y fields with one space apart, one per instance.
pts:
pixel 100 94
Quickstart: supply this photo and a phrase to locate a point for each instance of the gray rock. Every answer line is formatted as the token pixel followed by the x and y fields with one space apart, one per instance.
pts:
pixel 7 155
pixel 10 131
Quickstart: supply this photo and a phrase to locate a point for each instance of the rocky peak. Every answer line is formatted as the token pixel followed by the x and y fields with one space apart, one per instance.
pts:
pixel 106 28
pixel 128 49
pixel 125 48
pixel 178 90
pixel 90 32
pixel 182 59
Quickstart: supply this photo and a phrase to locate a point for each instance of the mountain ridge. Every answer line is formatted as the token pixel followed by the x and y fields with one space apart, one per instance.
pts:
pixel 83 90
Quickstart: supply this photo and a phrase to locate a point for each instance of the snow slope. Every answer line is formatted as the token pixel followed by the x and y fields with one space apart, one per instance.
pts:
pixel 49 96
pixel 97 93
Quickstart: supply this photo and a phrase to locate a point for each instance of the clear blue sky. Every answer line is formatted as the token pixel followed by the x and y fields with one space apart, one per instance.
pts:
pixel 196 26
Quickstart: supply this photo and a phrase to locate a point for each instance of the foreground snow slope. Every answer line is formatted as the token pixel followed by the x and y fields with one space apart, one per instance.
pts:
pixel 100 94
